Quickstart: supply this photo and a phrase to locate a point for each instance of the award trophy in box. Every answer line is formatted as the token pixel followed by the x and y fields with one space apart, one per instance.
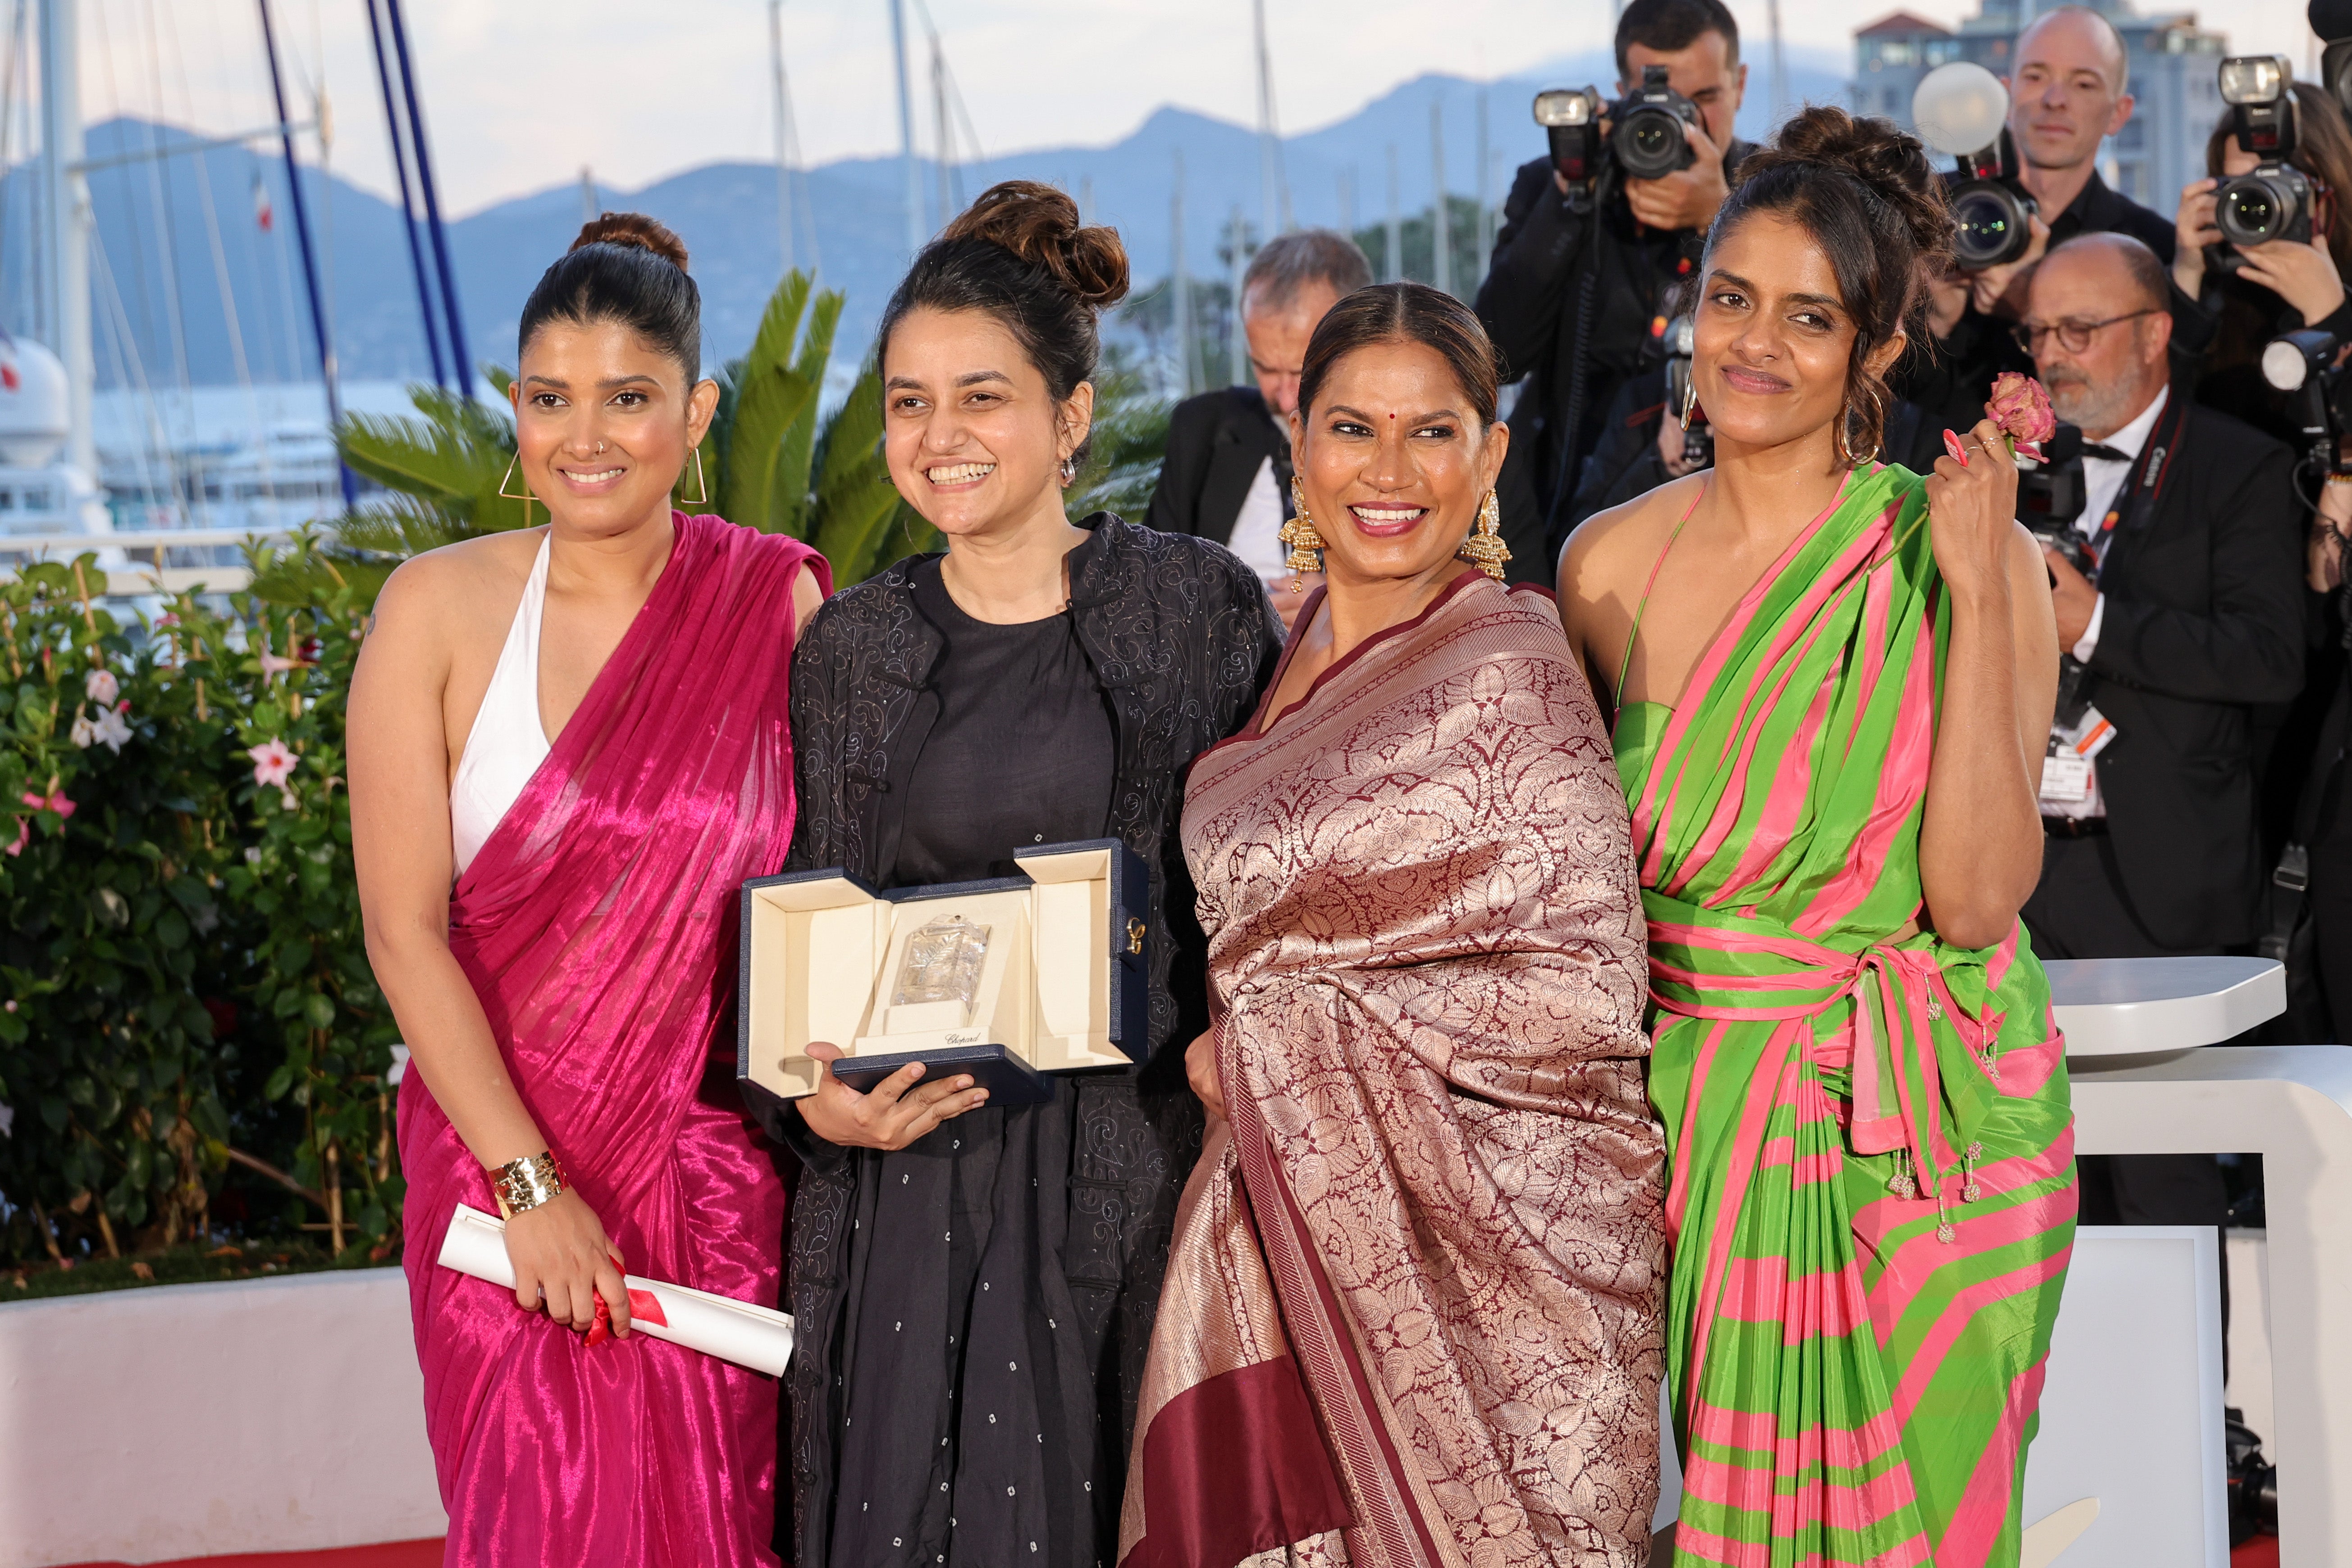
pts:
pixel 1006 980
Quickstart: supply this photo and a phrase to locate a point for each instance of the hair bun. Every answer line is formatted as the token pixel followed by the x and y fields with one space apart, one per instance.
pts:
pixel 1040 224
pixel 633 230
pixel 1891 163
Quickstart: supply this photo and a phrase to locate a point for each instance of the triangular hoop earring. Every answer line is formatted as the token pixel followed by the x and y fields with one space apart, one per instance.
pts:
pixel 701 483
pixel 526 497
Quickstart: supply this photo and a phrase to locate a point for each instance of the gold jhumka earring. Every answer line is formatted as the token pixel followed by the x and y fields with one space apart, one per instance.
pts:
pixel 1306 545
pixel 1484 548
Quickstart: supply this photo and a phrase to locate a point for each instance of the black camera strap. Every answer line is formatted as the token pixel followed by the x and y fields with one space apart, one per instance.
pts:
pixel 2134 504
pixel 2136 499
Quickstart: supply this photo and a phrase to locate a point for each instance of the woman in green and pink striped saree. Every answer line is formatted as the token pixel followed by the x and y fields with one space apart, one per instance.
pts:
pixel 1833 677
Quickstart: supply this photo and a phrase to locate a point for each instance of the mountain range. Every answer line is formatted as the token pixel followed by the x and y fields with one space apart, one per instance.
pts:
pixel 186 280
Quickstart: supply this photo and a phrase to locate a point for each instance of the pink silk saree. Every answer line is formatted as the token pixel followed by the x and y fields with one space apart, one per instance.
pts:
pixel 1412 1308
pixel 596 925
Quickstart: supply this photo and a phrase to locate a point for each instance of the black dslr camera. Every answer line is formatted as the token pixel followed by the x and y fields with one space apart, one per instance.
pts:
pixel 2277 200
pixel 1645 129
pixel 1698 439
pixel 1962 110
pixel 2051 493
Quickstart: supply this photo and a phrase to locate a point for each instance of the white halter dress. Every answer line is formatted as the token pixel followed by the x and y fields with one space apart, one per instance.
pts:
pixel 508 742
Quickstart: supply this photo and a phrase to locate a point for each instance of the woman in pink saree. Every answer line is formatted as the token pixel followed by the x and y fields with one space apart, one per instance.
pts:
pixel 582 727
pixel 1411 1315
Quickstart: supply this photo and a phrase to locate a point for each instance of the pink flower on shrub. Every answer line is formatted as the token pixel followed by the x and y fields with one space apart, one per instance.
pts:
pixel 273 665
pixel 2021 407
pixel 273 765
pixel 55 802
pixel 24 836
pixel 101 687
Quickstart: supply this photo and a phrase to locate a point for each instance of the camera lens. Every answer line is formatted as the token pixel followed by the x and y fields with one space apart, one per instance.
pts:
pixel 1649 143
pixel 1990 227
pixel 2248 211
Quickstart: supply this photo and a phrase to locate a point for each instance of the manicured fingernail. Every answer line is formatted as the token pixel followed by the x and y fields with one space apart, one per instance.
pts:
pixel 963 1083
pixel 1952 444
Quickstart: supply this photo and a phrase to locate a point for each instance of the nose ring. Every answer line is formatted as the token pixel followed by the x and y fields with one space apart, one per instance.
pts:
pixel 600 450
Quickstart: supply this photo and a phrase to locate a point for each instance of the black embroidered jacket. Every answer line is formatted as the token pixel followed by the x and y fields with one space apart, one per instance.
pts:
pixel 1184 639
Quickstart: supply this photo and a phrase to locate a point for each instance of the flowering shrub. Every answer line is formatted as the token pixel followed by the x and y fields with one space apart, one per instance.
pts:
pixel 185 982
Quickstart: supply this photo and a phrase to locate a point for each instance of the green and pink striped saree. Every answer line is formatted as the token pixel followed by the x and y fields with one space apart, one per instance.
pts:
pixel 1872 1197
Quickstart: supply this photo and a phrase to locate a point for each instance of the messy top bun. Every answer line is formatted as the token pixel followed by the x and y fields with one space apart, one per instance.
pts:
pixel 1864 191
pixel 628 268
pixel 1021 254
pixel 634 228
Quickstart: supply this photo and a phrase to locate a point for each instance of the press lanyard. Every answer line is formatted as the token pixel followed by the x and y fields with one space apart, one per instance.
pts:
pixel 2143 482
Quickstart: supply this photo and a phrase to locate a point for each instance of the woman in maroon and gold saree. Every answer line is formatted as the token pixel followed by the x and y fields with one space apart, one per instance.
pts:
pixel 585 726
pixel 1411 1311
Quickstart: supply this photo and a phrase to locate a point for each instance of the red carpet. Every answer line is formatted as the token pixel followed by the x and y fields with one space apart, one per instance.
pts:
pixel 392 1554
pixel 2262 1552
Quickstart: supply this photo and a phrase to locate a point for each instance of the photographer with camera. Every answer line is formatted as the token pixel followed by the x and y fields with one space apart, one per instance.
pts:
pixel 2179 598
pixel 2263 245
pixel 2069 89
pixel 1592 236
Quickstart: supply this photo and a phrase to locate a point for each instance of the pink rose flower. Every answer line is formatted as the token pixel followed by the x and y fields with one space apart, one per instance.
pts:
pixel 2021 407
pixel 273 763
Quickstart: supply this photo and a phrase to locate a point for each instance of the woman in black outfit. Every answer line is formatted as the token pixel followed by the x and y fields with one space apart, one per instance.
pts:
pixel 974 1288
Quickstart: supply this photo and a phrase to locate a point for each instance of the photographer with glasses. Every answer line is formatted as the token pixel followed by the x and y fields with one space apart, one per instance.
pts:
pixel 1575 289
pixel 2180 608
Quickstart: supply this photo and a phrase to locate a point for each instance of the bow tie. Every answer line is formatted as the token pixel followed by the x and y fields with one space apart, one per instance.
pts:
pixel 2104 454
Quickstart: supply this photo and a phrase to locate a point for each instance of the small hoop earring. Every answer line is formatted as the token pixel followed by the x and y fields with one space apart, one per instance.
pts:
pixel 1306 545
pixel 1690 402
pixel 1484 548
pixel 1069 471
pixel 526 497
pixel 701 483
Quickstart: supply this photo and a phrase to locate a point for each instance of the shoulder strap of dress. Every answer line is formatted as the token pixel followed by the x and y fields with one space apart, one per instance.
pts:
pixel 1625 661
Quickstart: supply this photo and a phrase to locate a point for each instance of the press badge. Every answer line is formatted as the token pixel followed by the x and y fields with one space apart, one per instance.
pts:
pixel 2066 772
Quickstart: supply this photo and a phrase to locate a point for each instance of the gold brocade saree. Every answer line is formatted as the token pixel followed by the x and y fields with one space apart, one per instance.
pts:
pixel 1413 1307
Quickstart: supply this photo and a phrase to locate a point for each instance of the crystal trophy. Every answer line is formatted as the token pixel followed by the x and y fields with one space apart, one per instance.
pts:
pixel 942 963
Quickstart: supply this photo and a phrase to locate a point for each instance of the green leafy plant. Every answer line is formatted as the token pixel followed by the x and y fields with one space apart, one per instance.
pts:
pixel 186 989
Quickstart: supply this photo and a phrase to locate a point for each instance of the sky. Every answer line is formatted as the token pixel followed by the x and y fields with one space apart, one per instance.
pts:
pixel 520 95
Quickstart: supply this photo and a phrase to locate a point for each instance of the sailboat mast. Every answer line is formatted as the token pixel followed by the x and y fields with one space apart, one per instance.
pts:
pixel 320 331
pixel 1440 226
pixel 407 196
pixel 782 119
pixel 1274 200
pixel 907 126
pixel 1779 67
pixel 65 280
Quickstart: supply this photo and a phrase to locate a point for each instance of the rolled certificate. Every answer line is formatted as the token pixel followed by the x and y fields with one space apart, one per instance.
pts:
pixel 757 1337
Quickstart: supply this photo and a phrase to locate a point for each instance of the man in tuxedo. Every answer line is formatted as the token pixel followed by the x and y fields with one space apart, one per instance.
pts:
pixel 2179 598
pixel 1226 475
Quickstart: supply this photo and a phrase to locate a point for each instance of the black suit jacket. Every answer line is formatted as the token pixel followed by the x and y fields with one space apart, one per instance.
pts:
pixel 2204 618
pixel 1216 444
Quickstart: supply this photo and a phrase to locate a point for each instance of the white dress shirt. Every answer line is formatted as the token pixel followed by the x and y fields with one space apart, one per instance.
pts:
pixel 1257 529
pixel 2102 478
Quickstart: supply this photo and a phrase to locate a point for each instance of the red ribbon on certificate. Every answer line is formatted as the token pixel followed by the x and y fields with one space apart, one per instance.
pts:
pixel 644 1307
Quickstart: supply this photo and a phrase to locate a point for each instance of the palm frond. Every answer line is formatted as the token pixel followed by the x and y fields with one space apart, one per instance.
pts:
pixel 770 399
pixel 798 452
pixel 855 501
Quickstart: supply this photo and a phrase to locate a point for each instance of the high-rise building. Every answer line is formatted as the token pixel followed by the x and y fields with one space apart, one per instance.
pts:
pixel 2173 62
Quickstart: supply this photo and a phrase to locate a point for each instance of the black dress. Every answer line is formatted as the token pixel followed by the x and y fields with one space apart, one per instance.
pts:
pixel 973 1311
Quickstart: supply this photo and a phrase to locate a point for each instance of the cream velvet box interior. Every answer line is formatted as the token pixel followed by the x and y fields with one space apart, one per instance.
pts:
pixel 1007 979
